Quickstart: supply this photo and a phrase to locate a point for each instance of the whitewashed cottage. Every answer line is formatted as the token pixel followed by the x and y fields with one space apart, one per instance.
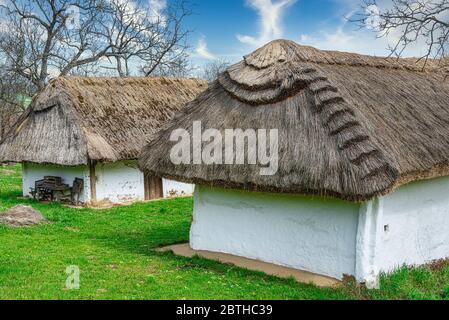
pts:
pixel 362 185
pixel 93 129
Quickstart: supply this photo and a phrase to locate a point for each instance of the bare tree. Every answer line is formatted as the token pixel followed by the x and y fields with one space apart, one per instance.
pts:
pixel 51 36
pixel 15 93
pixel 166 51
pixel 213 69
pixel 40 39
pixel 176 66
pixel 151 38
pixel 412 22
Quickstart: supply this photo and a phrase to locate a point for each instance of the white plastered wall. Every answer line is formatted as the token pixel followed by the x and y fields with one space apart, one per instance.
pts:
pixel 329 237
pixel 312 234
pixel 123 181
pixel 116 182
pixel 33 172
pixel 176 189
pixel 415 225
pixel 119 182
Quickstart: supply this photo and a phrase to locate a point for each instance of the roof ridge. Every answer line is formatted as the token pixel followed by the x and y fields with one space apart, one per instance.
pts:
pixel 279 51
pixel 129 78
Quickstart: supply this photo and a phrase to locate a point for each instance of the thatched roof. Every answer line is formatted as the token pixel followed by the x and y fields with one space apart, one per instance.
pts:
pixel 350 126
pixel 74 120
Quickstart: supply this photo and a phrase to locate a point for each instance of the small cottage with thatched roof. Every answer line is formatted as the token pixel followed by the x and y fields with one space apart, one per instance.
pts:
pixel 362 182
pixel 93 129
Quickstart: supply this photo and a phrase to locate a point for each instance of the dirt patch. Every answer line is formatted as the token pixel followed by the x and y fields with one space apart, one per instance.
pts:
pixel 438 265
pixel 21 216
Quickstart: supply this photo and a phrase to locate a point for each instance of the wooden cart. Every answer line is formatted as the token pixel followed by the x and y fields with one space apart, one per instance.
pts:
pixel 53 189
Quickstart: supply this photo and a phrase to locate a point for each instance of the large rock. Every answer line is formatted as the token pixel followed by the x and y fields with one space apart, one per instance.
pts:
pixel 21 216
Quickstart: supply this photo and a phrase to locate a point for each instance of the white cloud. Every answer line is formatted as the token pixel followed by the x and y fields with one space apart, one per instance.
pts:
pixel 364 42
pixel 203 52
pixel 350 38
pixel 270 14
pixel 341 40
pixel 132 10
pixel 157 8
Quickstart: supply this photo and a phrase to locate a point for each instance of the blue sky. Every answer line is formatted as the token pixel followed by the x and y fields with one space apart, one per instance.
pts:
pixel 221 21
pixel 231 28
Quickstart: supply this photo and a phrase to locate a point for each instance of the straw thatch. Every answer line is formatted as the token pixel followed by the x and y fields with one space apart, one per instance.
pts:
pixel 350 126
pixel 74 120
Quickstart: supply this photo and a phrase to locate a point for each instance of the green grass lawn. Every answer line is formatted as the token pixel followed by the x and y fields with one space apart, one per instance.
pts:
pixel 114 250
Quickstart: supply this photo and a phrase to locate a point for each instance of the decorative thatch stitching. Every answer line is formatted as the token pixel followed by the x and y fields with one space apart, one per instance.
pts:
pixel 340 119
pixel 336 115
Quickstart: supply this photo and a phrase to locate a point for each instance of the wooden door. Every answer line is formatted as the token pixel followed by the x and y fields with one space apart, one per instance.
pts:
pixel 153 187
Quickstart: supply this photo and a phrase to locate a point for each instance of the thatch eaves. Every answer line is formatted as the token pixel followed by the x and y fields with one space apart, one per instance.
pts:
pixel 74 120
pixel 350 126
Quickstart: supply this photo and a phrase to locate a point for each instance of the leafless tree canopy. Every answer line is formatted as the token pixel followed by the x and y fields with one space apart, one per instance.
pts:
pixel 43 39
pixel 412 22
pixel 40 39
pixel 214 68
pixel 153 39
pixel 14 95
pixel 39 36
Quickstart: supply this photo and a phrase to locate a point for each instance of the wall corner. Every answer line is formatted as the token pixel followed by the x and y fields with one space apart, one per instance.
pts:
pixel 368 242
pixel 194 238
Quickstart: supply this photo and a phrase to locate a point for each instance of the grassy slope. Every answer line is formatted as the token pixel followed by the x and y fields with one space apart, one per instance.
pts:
pixel 114 250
